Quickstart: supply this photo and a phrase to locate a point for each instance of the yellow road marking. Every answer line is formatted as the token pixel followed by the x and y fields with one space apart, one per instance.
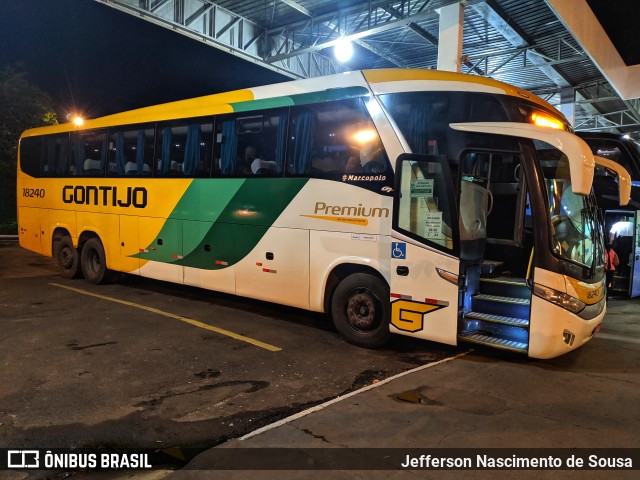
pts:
pixel 190 321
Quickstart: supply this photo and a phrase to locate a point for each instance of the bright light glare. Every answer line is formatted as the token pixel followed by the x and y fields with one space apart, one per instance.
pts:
pixel 546 121
pixel 343 50
pixel 364 136
pixel 78 121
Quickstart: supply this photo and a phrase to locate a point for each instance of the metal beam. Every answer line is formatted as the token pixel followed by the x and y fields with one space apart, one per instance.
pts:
pixel 354 23
pixel 611 120
pixel 298 7
pixel 501 22
pixel 226 31
pixel 382 26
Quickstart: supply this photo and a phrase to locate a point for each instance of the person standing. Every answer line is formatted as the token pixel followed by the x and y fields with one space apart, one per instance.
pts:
pixel 612 261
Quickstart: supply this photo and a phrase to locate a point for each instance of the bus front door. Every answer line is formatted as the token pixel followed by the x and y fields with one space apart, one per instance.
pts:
pixel 634 258
pixel 424 268
pixel 623 230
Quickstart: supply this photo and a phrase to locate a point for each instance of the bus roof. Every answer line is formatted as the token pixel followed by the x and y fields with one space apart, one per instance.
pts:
pixel 344 85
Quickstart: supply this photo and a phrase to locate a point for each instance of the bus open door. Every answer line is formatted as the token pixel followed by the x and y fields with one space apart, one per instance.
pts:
pixel 623 230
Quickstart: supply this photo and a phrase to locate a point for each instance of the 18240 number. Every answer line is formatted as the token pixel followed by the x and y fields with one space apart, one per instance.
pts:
pixel 33 192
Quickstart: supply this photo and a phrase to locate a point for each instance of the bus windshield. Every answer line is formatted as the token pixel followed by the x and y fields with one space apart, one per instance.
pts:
pixel 574 218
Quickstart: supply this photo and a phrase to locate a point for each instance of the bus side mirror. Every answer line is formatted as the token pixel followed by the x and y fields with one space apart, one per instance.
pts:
pixel 624 179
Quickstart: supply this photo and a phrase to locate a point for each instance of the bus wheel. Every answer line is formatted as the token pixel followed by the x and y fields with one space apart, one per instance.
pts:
pixel 360 310
pixel 68 257
pixel 94 262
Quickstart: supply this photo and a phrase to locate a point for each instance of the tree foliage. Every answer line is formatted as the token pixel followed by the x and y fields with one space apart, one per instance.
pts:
pixel 22 106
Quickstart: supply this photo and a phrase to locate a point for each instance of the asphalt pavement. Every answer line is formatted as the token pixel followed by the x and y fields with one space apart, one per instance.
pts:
pixel 582 404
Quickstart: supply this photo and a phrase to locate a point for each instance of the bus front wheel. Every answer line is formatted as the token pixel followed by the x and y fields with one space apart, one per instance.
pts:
pixel 360 310
pixel 68 257
pixel 94 262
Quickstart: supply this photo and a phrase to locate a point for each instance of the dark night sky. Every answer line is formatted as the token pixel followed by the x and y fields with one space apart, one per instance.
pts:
pixel 98 60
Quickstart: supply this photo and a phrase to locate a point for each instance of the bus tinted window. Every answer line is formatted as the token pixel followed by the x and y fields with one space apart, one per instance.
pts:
pixel 30 155
pixel 184 149
pixel 424 117
pixel 56 155
pixel 131 151
pixel 89 153
pixel 251 144
pixel 426 210
pixel 330 139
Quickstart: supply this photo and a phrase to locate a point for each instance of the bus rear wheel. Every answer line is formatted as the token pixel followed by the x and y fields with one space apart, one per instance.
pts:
pixel 94 263
pixel 360 310
pixel 68 257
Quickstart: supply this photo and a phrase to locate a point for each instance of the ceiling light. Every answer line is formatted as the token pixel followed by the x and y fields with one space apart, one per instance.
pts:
pixel 343 50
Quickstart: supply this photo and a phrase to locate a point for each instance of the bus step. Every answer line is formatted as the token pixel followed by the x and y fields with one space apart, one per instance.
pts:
pixel 488 317
pixel 500 305
pixel 495 342
pixel 500 299
pixel 491 268
pixel 505 286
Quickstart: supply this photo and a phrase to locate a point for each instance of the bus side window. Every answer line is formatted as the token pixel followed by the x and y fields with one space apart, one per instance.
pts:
pixel 251 144
pixel 170 143
pixel 131 151
pixel 56 155
pixel 31 155
pixel 329 140
pixel 184 149
pixel 89 153
pixel 203 169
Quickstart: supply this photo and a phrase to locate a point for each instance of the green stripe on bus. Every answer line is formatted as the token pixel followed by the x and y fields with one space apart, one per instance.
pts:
pixel 300 99
pixel 196 212
pixel 219 223
pixel 244 221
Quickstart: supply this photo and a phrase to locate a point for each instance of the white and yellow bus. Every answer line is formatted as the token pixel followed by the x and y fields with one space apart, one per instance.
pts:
pixel 435 205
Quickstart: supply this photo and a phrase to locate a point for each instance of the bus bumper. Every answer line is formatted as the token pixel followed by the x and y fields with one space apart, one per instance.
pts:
pixel 555 331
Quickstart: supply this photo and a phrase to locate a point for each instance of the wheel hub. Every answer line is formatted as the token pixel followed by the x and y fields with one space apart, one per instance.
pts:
pixel 66 258
pixel 362 311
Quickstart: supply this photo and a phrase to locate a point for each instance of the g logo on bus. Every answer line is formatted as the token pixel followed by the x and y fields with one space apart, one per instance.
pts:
pixel 408 316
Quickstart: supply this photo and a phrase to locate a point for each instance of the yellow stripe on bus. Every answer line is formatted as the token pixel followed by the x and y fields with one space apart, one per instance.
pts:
pixel 216 104
pixel 190 321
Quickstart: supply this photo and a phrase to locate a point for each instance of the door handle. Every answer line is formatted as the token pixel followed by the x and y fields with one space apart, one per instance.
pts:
pixel 402 271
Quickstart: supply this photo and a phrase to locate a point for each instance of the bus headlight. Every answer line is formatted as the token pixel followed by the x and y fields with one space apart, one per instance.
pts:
pixel 559 298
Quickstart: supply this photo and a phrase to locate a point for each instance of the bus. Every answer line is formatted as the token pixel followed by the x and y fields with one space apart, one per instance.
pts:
pixel 437 205
pixel 622 224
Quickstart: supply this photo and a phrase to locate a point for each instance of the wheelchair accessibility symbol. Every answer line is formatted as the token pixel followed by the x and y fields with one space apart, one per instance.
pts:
pixel 399 250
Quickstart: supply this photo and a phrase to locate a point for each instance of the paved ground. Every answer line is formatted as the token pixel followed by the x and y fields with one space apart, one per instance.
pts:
pixel 82 370
pixel 587 400
pixel 143 363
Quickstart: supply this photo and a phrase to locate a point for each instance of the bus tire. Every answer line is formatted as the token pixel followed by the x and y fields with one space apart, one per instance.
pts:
pixel 68 257
pixel 94 262
pixel 360 310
